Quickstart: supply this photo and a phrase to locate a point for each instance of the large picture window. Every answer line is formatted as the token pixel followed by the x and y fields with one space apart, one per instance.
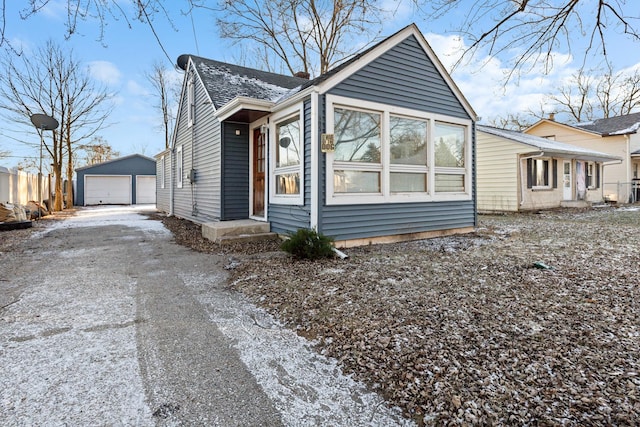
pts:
pixel 357 155
pixel 449 151
pixel 385 154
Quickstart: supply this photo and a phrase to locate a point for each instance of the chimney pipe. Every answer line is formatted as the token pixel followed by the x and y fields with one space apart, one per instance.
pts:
pixel 302 75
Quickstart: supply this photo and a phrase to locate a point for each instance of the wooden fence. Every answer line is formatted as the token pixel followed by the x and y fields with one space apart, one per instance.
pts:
pixel 19 187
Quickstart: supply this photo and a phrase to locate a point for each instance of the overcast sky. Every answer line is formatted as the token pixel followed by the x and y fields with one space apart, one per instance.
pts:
pixel 125 54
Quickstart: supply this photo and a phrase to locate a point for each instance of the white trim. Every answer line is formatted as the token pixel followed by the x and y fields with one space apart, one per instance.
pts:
pixel 179 167
pixel 240 103
pixel 252 127
pixel 385 196
pixel 289 199
pixel 315 182
pixel 386 46
pixel 162 170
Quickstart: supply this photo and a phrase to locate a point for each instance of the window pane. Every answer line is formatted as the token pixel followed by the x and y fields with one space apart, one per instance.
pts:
pixel 449 145
pixel 357 136
pixel 446 183
pixel 288 143
pixel 408 182
pixel 408 141
pixel 288 183
pixel 542 172
pixel 356 182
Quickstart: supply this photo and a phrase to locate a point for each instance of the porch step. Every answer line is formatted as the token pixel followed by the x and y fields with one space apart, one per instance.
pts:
pixel 247 238
pixel 218 230
pixel 574 204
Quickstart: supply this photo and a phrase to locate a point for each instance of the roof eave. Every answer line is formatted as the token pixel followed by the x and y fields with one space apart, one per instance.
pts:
pixel 240 103
pixel 588 157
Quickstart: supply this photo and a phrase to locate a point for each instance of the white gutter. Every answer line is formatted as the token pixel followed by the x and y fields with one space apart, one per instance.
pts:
pixel 171 202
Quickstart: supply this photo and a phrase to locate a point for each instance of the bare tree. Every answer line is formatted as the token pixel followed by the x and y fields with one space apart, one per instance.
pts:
pixel 98 150
pixel 166 97
pixel 596 94
pixel 305 35
pixel 534 29
pixel 52 82
pixel 512 121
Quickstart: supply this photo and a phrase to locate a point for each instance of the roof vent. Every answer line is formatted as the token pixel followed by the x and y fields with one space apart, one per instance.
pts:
pixel 302 75
pixel 552 117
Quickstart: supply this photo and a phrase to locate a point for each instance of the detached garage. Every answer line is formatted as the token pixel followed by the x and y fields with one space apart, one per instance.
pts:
pixel 124 181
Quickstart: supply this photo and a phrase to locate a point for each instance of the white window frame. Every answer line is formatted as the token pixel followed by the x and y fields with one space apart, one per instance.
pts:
pixel 386 196
pixel 286 199
pixel 179 167
pixel 162 166
pixel 191 102
pixel 549 161
pixel 590 175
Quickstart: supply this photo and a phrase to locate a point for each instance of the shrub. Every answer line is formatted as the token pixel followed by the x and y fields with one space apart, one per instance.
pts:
pixel 308 244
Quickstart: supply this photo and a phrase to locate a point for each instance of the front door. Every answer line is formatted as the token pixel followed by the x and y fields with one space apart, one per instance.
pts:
pixel 259 163
pixel 567 186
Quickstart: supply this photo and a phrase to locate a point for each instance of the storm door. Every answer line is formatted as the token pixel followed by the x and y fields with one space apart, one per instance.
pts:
pixel 259 166
pixel 567 187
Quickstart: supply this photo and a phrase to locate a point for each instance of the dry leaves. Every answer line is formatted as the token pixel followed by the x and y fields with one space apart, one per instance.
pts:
pixel 533 319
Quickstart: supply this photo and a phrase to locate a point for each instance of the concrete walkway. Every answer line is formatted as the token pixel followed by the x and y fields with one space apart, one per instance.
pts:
pixel 105 321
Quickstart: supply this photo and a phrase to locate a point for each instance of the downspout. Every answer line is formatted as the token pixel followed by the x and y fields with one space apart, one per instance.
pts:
pixel 541 154
pixel 627 164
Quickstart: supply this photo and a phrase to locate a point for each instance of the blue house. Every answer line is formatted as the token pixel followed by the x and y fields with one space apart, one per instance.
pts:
pixel 379 149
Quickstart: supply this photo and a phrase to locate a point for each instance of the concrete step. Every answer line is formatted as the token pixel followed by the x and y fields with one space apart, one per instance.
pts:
pixel 247 238
pixel 217 230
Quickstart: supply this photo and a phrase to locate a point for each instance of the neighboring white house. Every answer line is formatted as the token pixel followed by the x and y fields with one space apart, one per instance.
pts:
pixel 617 136
pixel 519 172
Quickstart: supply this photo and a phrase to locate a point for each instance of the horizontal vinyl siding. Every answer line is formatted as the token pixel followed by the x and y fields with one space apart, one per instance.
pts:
pixel 163 195
pixel 199 201
pixel 235 171
pixel 286 219
pixel 405 77
pixel 497 167
pixel 365 221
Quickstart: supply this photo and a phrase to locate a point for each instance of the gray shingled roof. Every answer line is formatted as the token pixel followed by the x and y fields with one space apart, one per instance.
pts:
pixel 547 145
pixel 225 81
pixel 620 125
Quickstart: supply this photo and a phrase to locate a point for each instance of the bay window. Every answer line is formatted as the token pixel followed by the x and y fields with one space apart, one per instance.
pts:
pixel 392 154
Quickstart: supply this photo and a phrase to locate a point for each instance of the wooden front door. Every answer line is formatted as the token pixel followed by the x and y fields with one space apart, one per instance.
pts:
pixel 259 163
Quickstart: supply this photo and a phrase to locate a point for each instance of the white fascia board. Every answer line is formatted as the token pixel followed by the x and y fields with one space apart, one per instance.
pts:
pixel 242 103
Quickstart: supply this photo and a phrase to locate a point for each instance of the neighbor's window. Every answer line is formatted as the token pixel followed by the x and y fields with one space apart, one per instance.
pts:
pixel 357 162
pixel 179 167
pixel 449 152
pixel 593 175
pixel 538 173
pixel 408 154
pixel 288 156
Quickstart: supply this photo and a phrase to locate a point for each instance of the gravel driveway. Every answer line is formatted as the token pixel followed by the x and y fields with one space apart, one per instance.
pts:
pixel 105 321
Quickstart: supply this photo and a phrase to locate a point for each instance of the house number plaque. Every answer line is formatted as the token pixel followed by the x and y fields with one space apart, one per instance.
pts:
pixel 327 143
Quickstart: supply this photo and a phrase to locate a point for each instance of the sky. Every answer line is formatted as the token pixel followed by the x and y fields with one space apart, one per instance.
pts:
pixel 125 55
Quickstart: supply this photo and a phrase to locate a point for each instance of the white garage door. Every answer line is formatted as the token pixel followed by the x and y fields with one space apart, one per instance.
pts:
pixel 107 190
pixel 145 189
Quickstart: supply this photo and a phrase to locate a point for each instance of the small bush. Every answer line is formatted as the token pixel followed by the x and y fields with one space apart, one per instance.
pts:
pixel 308 244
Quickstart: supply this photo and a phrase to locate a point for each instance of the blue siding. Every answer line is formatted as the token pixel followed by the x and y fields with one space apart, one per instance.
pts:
pixel 405 77
pixel 235 171
pixel 286 218
pixel 130 165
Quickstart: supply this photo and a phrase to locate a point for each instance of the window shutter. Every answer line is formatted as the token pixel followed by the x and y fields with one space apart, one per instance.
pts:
pixel 554 171
pixel 597 167
pixel 530 173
